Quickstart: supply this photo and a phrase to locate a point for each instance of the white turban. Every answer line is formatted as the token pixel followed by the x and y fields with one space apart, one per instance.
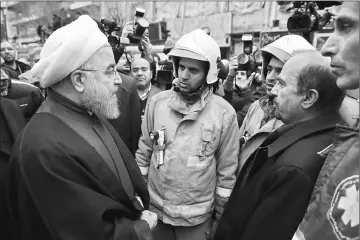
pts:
pixel 67 49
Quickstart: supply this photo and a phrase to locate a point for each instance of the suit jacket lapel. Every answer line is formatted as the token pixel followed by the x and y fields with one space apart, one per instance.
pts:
pixel 128 159
pixel 120 168
pixel 118 161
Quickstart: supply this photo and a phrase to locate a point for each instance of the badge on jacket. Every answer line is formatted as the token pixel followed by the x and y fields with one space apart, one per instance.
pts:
pixel 344 209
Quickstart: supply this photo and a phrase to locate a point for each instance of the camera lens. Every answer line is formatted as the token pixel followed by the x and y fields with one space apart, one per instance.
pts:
pixel 243 58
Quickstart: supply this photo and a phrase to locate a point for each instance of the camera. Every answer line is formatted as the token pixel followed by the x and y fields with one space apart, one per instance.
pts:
pixel 140 25
pixel 307 18
pixel 165 74
pixel 249 61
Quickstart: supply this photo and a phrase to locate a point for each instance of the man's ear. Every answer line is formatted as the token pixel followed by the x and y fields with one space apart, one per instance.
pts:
pixel 310 98
pixel 78 78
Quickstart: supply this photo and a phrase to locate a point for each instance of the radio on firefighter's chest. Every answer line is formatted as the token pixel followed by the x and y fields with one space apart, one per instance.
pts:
pixel 158 137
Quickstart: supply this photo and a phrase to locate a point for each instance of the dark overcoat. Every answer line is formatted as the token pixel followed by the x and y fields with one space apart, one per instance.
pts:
pixel 274 187
pixel 61 187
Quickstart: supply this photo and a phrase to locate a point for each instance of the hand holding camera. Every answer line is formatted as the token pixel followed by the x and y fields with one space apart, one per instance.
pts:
pixel 128 29
pixel 233 66
pixel 254 78
pixel 147 48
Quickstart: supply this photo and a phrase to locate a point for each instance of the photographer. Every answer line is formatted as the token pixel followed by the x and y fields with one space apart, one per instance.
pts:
pixel 145 45
pixel 243 93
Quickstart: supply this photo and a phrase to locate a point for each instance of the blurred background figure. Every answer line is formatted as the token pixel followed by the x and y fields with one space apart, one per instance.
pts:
pixel 18 103
pixel 28 96
pixel 142 73
pixel 12 67
pixel 34 55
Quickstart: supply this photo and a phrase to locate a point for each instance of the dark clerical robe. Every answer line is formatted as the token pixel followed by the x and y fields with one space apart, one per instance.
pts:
pixel 71 177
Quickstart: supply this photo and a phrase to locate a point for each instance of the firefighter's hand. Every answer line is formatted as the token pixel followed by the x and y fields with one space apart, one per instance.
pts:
pixel 233 66
pixel 128 29
pixel 150 217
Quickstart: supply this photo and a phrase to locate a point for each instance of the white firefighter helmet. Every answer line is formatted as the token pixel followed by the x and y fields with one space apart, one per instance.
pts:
pixel 200 46
pixel 284 48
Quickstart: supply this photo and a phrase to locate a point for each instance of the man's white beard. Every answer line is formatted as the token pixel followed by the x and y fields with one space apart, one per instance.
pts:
pixel 99 100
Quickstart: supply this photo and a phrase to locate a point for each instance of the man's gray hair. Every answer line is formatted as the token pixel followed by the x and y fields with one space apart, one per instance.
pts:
pixel 317 75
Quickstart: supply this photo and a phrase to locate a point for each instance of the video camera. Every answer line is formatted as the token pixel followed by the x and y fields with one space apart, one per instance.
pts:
pixel 165 73
pixel 307 18
pixel 249 61
pixel 140 25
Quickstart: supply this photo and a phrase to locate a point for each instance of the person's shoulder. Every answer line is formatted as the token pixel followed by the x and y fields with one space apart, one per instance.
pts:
pixel 154 89
pixel 24 85
pixel 24 66
pixel 222 103
pixel 255 107
pixel 308 161
pixel 161 96
pixel 128 83
pixel 256 104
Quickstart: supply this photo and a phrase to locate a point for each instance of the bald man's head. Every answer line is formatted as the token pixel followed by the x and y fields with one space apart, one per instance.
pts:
pixel 301 59
pixel 311 70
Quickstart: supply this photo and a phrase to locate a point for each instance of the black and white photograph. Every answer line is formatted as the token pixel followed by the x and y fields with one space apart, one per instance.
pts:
pixel 178 120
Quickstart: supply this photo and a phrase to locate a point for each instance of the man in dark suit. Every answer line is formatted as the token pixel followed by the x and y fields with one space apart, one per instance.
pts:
pixel 271 194
pixel 70 174
pixel 128 124
pixel 12 122
pixel 141 72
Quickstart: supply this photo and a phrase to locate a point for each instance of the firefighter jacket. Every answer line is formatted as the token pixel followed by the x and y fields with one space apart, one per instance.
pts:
pixel 200 156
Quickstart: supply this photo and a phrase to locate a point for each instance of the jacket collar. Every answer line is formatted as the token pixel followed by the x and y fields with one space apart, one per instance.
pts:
pixel 56 97
pixel 177 104
pixel 289 134
pixel 270 126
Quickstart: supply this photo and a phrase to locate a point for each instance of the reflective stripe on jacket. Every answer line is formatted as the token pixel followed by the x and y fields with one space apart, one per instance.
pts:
pixel 200 157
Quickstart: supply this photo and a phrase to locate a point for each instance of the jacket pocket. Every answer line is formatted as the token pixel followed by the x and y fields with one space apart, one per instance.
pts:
pixel 207 147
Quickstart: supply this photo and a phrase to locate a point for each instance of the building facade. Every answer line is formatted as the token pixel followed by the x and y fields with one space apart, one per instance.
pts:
pixel 228 21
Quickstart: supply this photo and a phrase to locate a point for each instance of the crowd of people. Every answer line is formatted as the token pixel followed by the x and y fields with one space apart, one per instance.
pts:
pixel 91 152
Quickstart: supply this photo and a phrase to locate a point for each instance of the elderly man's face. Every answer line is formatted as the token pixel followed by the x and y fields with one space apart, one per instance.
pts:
pixel 8 52
pixel 343 47
pixel 100 88
pixel 140 71
pixel 191 74
pixel 287 101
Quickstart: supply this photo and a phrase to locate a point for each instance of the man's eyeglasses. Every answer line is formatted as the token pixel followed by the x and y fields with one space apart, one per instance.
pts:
pixel 111 72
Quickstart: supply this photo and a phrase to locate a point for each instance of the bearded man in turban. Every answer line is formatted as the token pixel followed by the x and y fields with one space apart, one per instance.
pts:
pixel 71 176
